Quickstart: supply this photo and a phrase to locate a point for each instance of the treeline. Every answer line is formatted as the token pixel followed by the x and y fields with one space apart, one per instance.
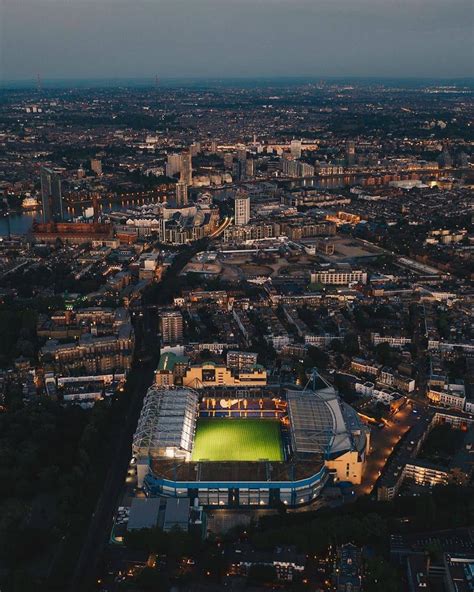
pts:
pixel 134 120
pixel 27 282
pixel 174 544
pixel 46 457
pixel 18 334
pixel 367 522
pixel 53 463
pixel 18 321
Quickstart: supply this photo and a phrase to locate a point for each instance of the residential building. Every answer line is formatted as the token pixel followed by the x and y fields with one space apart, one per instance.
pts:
pixel 396 341
pixel 451 395
pixel 96 166
pixel 348 569
pixel 295 148
pixel 286 561
pixel 186 170
pixel 339 277
pixel 181 194
pixel 171 327
pixel 241 360
pixel 173 165
pixel 242 209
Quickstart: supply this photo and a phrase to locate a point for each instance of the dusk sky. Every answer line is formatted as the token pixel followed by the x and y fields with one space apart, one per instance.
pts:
pixel 218 38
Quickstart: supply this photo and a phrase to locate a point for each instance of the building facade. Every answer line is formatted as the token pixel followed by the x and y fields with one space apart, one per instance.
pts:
pixel 51 196
pixel 171 327
pixel 242 209
pixel 339 277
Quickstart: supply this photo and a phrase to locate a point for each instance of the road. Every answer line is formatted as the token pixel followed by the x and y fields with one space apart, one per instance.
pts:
pixel 101 520
pixel 220 229
pixel 382 443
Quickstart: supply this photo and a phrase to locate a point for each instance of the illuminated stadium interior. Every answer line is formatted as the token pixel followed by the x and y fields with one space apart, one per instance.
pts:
pixel 246 449
pixel 223 439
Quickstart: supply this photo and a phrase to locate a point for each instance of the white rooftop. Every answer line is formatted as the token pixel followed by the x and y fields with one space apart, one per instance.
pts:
pixel 317 422
pixel 167 421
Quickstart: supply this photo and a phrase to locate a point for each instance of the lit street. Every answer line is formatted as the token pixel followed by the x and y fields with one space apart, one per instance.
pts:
pixel 382 443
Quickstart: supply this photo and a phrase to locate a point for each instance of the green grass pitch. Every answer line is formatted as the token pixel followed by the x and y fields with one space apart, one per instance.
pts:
pixel 237 440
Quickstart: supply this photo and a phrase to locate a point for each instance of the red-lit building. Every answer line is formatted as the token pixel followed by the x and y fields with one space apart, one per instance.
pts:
pixel 71 232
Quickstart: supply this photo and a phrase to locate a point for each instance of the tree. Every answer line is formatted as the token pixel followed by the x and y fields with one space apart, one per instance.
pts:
pixel 152 579
pixel 351 344
pixel 435 551
pixel 384 354
pixel 381 575
pixel 205 355
pixel 317 357
pixel 262 574
pixel 301 376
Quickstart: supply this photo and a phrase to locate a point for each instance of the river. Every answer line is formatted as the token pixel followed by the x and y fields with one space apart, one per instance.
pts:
pixel 19 223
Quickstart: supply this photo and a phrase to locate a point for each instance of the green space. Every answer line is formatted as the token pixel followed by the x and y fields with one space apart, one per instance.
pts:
pixel 237 440
pixel 442 444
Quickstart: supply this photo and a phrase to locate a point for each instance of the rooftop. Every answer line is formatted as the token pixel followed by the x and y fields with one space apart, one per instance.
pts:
pixel 169 360
pixel 143 513
pixel 167 422
pixel 318 422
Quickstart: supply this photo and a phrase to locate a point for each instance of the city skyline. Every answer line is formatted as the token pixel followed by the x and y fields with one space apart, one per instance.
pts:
pixel 236 295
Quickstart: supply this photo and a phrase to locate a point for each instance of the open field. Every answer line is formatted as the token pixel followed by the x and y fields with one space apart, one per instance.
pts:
pixel 237 440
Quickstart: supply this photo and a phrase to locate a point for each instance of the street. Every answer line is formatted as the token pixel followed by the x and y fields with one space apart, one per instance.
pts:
pixel 383 441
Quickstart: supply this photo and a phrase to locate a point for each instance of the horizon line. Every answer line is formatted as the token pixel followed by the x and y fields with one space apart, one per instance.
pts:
pixel 152 77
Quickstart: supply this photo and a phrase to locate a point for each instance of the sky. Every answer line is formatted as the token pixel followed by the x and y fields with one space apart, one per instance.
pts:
pixel 67 39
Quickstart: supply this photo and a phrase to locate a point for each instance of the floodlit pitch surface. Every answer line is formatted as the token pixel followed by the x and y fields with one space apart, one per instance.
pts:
pixel 237 440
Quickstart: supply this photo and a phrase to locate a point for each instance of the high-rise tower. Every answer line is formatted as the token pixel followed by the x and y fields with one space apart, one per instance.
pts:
pixel 295 148
pixel 242 209
pixel 173 164
pixel 186 168
pixel 51 196
pixel 181 194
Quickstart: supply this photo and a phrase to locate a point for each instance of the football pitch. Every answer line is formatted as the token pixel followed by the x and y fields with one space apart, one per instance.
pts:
pixel 237 440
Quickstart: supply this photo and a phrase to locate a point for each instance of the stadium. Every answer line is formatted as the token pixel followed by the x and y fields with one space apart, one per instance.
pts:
pixel 242 448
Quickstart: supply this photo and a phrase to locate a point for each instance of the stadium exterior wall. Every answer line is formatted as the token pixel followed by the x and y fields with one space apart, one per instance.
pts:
pixel 240 493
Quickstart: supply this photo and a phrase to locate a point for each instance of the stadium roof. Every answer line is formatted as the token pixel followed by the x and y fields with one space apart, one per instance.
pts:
pixel 317 422
pixel 167 421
